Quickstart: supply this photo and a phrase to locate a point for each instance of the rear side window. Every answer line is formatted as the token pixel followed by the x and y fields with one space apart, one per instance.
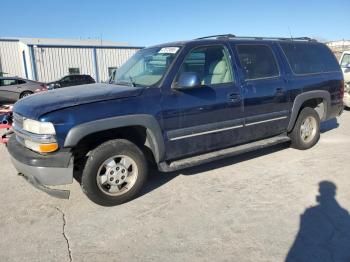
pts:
pixel 309 58
pixel 21 82
pixel 257 61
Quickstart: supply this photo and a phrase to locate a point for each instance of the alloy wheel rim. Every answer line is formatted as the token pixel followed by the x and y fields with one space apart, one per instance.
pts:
pixel 117 175
pixel 308 129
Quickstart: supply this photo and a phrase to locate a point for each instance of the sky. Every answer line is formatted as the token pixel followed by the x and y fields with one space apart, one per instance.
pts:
pixel 149 22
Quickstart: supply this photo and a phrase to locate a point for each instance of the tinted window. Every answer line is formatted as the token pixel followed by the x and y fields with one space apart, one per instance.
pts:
pixel 21 82
pixel 308 58
pixel 257 61
pixel 68 79
pixel 212 65
pixel 345 61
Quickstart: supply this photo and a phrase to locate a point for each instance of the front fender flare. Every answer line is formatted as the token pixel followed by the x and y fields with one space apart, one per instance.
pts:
pixel 154 133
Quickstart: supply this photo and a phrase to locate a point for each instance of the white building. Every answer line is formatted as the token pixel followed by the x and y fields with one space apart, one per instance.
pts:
pixel 45 59
pixel 338 47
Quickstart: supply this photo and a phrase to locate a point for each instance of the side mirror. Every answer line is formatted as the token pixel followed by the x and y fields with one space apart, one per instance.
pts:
pixel 347 66
pixel 188 80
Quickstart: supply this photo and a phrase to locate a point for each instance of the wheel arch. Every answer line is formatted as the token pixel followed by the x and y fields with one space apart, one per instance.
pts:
pixel 153 135
pixel 318 99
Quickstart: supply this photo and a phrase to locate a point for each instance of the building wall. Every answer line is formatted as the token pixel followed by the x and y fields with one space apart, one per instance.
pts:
pixel 47 63
pixel 53 63
pixel 338 47
pixel 11 58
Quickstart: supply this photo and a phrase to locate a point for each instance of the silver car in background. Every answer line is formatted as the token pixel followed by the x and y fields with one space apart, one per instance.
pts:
pixel 15 88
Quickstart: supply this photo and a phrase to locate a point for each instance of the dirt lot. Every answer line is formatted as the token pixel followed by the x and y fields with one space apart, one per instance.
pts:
pixel 246 208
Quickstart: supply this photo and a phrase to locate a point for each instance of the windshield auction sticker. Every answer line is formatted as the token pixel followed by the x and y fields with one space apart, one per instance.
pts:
pixel 168 50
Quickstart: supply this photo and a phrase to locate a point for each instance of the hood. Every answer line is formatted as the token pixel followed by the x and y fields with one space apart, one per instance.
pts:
pixel 39 104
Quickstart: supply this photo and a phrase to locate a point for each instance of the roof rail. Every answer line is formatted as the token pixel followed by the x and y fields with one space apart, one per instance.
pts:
pixel 217 36
pixel 223 36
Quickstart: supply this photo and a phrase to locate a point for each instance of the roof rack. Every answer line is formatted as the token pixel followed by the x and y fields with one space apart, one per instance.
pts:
pixel 229 36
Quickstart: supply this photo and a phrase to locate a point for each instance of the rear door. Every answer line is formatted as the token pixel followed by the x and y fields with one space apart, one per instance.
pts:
pixel 207 117
pixel 264 88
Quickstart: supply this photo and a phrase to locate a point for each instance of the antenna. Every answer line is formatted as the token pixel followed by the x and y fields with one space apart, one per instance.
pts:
pixel 290 33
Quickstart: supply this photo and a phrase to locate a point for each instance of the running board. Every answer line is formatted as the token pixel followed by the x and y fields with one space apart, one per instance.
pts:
pixel 223 153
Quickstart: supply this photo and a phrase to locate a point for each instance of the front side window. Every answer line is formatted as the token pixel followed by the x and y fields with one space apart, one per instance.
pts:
pixel 210 63
pixel 147 67
pixel 345 61
pixel 257 61
pixel 8 82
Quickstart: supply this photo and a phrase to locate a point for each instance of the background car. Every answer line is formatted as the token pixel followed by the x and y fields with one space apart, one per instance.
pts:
pixel 15 88
pixel 345 67
pixel 71 80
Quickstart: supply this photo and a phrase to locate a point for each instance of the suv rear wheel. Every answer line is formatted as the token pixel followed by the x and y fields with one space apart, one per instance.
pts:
pixel 114 173
pixel 306 131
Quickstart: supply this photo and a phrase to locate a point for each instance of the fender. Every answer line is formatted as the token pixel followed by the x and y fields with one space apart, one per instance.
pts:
pixel 301 98
pixel 154 134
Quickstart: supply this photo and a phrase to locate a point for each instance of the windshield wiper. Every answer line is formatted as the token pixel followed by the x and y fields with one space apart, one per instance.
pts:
pixel 131 82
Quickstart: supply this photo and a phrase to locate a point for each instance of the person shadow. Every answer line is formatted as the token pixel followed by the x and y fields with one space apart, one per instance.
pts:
pixel 324 233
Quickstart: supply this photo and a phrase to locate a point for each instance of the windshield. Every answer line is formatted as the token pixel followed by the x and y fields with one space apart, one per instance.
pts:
pixel 146 68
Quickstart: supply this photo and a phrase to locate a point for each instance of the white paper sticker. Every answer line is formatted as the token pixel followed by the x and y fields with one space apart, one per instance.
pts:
pixel 168 50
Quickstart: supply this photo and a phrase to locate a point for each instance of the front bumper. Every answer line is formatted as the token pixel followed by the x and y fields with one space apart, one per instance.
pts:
pixel 43 171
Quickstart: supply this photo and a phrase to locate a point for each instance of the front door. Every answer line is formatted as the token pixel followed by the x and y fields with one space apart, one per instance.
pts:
pixel 265 91
pixel 206 117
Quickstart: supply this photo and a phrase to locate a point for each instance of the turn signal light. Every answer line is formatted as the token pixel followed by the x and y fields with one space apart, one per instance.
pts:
pixel 47 148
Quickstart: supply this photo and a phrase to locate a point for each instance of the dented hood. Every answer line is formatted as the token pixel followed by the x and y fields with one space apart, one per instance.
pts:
pixel 39 104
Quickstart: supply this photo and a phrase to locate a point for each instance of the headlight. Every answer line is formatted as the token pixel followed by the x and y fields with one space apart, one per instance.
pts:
pixel 38 136
pixel 40 128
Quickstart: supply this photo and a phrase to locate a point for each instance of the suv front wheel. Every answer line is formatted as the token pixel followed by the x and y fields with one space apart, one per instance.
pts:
pixel 306 131
pixel 114 173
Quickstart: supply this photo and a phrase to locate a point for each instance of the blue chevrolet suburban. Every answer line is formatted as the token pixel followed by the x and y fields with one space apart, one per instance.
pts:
pixel 174 106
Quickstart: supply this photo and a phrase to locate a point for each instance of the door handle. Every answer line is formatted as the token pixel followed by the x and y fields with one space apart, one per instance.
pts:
pixel 234 97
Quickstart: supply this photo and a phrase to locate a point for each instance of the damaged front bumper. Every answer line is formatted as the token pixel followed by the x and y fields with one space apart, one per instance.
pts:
pixel 43 171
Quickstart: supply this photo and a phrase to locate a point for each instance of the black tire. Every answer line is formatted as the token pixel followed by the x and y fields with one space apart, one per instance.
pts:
pixel 97 158
pixel 25 93
pixel 296 134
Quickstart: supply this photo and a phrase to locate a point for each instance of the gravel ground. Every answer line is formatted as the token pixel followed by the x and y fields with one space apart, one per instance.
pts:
pixel 259 206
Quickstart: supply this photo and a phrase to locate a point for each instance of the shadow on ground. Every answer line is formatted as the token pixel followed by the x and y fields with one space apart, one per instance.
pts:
pixel 158 179
pixel 324 233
